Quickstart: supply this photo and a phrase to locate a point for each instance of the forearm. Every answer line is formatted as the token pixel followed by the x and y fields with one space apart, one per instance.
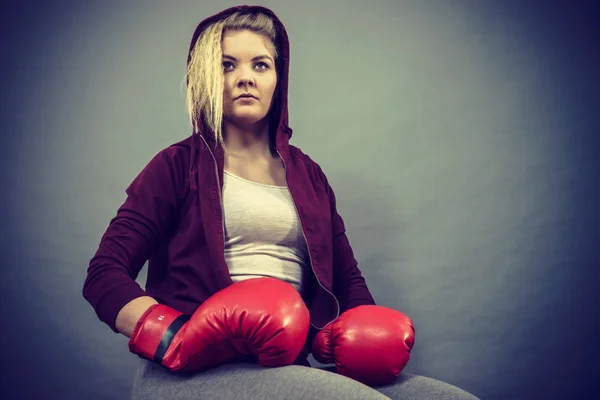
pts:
pixel 353 292
pixel 349 284
pixel 131 312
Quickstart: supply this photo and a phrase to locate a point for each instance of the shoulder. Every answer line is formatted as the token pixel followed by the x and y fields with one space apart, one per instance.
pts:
pixel 167 167
pixel 312 167
pixel 178 151
pixel 175 155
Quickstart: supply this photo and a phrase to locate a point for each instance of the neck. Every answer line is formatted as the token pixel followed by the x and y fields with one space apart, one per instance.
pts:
pixel 247 140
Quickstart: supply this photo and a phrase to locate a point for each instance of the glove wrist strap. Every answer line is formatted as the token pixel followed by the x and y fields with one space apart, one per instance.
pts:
pixel 155 330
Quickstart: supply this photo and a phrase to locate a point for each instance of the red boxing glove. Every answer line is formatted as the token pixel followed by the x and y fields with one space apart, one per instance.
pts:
pixel 368 343
pixel 263 317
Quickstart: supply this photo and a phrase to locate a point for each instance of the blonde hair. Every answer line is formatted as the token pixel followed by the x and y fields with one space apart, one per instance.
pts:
pixel 204 74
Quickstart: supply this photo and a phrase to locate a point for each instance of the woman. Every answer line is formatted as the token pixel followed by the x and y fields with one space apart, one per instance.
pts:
pixel 249 267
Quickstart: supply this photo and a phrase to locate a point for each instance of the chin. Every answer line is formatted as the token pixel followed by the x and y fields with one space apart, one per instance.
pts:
pixel 246 118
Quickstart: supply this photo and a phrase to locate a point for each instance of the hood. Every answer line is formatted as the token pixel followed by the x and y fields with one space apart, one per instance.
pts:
pixel 279 126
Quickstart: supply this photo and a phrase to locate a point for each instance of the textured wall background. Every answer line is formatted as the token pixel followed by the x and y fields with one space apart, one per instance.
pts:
pixel 461 138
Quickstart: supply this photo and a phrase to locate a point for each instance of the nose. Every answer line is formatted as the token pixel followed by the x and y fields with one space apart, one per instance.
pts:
pixel 245 77
pixel 246 81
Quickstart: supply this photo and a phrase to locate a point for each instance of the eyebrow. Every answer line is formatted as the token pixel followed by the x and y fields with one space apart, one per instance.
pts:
pixel 261 57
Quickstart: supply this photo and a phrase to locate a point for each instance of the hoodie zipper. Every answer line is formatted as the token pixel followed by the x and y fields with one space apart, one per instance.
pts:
pixel 308 248
pixel 218 190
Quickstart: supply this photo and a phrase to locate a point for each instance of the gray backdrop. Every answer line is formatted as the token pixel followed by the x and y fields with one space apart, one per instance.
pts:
pixel 460 137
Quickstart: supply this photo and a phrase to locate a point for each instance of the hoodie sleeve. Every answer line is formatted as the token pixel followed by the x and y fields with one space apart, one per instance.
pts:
pixel 349 286
pixel 140 223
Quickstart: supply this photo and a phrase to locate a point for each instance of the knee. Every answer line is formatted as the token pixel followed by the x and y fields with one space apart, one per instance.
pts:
pixel 421 387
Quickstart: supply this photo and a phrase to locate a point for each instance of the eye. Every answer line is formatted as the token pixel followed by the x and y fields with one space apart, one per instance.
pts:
pixel 226 64
pixel 262 64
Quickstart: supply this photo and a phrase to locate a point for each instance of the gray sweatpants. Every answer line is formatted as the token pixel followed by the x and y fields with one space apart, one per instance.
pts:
pixel 245 381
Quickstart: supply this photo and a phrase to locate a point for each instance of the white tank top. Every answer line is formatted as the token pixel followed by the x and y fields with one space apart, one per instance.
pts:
pixel 263 236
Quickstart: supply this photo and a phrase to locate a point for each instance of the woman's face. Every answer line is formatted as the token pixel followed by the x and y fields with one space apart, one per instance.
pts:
pixel 249 69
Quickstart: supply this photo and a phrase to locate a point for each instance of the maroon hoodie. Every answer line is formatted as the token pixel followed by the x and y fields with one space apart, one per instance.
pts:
pixel 173 218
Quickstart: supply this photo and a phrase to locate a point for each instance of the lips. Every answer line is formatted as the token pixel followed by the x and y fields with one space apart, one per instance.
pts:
pixel 245 96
